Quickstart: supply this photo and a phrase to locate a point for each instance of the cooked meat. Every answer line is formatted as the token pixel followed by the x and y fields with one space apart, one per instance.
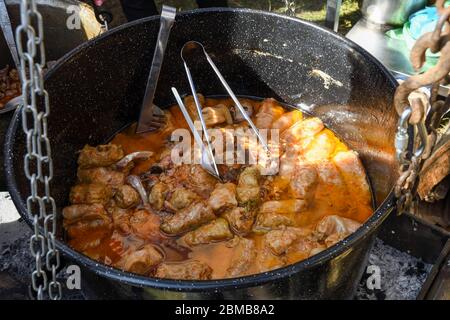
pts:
pixel 165 161
pixel 182 198
pixel 237 115
pixel 335 238
pixel 145 225
pixel 269 111
pixel 354 176
pixel 335 224
pixel 217 115
pixel 121 219
pixel 188 270
pixel 86 226
pixel 267 221
pixel 149 180
pixel 101 175
pixel 334 229
pixel 278 241
pixel 190 105
pixel 287 120
pixel 248 189
pixel 303 248
pixel 244 255
pixel 89 223
pixel 287 165
pixel 229 173
pixel 275 188
pixel 321 147
pixel 284 206
pixel 76 212
pixel 304 181
pixel 200 181
pixel 141 261
pixel 249 177
pixel 329 174
pixel 216 230
pixel 240 220
pixel 126 197
pixel 188 218
pixel 90 193
pixel 266 260
pixel 316 249
pixel 302 130
pixel 100 156
pixel 158 195
pixel 223 197
pixel 175 220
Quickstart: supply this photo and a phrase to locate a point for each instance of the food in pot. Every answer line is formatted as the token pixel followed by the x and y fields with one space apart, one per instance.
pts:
pixel 10 86
pixel 135 209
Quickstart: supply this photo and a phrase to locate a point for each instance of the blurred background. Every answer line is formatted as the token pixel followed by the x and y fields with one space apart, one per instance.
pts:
pixel 311 10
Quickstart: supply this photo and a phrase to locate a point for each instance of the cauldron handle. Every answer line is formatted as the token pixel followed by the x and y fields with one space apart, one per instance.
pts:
pixel 332 16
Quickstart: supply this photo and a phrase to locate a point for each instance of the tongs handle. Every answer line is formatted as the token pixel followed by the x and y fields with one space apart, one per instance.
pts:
pixel 186 115
pixel 202 120
pixel 190 45
pixel 211 163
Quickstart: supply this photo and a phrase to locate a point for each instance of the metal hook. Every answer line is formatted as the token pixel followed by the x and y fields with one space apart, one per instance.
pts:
pixel 402 136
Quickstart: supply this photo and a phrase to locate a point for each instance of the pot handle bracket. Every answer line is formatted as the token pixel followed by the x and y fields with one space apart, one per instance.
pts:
pixel 420 114
pixel 102 14
pixel 410 134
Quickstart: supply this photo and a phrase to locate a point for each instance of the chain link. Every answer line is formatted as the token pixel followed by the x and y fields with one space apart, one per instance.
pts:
pixel 424 113
pixel 38 164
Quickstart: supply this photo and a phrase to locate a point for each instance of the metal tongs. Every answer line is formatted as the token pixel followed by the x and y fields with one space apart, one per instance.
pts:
pixel 207 160
pixel 190 49
pixel 152 117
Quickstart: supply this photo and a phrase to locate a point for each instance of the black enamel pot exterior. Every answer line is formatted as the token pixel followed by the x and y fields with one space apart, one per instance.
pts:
pixel 96 90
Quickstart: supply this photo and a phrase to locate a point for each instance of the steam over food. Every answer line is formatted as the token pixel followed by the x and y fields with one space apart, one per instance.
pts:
pixel 135 209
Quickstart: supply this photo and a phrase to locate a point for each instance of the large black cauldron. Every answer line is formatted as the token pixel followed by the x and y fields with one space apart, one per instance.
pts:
pixel 97 89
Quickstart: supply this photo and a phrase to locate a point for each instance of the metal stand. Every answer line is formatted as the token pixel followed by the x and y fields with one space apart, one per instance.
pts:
pixel 332 17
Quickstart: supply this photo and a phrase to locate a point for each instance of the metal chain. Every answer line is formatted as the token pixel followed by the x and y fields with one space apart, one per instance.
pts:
pixel 410 163
pixel 423 114
pixel 38 164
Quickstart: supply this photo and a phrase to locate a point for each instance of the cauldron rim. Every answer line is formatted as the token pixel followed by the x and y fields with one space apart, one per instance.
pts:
pixel 101 269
